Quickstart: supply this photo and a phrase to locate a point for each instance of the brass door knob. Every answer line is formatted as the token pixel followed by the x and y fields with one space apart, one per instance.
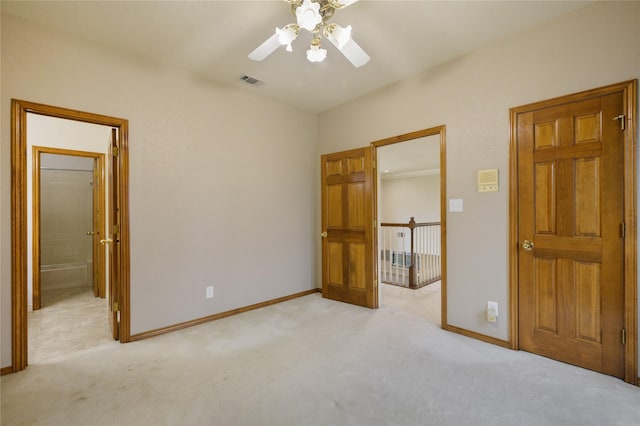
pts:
pixel 106 241
pixel 324 234
pixel 527 245
pixel 90 232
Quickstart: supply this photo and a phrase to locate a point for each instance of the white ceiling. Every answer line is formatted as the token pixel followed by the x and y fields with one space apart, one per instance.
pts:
pixel 411 158
pixel 213 38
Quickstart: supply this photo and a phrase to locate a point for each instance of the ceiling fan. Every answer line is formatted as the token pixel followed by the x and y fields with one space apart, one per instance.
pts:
pixel 312 15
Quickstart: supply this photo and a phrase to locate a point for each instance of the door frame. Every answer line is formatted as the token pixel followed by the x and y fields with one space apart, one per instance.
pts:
pixel 629 91
pixel 19 326
pixel 98 258
pixel 432 131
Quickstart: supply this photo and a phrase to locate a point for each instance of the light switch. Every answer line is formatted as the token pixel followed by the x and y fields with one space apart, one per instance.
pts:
pixel 455 205
pixel 492 311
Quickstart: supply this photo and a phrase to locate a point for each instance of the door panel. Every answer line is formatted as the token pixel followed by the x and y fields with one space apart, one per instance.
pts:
pixel 570 184
pixel 357 269
pixel 334 263
pixel 588 297
pixel 334 205
pixel 348 260
pixel 545 196
pixel 545 284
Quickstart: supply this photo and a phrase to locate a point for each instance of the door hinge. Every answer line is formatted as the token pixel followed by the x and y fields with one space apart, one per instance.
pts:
pixel 375 283
pixel 623 336
pixel 623 230
pixel 116 229
pixel 115 151
pixel 375 224
pixel 116 307
pixel 623 120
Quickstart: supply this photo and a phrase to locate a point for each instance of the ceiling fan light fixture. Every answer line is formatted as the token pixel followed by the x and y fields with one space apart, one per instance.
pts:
pixel 308 15
pixel 287 35
pixel 313 16
pixel 338 35
pixel 316 53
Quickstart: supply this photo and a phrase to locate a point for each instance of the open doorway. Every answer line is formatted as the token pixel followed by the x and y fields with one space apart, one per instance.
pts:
pixel 113 147
pixel 410 187
pixel 69 265
pixel 67 199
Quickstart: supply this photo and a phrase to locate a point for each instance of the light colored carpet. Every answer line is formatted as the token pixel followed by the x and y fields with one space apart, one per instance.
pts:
pixel 311 361
pixel 424 302
pixel 72 319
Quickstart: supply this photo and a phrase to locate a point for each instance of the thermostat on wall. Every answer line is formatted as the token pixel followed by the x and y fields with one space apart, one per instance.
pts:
pixel 488 180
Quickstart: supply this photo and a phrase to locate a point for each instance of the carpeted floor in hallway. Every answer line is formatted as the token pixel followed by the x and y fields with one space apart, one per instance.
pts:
pixel 70 320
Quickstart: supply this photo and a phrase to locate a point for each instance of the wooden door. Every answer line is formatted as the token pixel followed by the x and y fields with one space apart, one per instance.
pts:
pixel 570 204
pixel 111 239
pixel 36 298
pixel 348 247
pixel 95 232
pixel 99 255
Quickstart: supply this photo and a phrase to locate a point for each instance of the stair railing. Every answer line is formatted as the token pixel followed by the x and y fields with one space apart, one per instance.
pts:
pixel 410 261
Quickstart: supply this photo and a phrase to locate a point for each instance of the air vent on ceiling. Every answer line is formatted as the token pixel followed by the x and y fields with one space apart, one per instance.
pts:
pixel 251 81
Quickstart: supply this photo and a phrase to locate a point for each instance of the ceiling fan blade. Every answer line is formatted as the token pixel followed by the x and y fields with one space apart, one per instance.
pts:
pixel 345 3
pixel 266 48
pixel 353 52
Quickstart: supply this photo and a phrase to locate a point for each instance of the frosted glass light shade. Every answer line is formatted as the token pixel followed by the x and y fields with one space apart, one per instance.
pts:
pixel 339 36
pixel 316 54
pixel 308 15
pixel 286 36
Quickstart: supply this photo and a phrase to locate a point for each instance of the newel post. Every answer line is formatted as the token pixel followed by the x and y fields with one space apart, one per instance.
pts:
pixel 412 267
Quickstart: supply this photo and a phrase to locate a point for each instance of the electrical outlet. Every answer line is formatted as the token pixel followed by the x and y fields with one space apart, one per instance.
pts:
pixel 210 292
pixel 492 311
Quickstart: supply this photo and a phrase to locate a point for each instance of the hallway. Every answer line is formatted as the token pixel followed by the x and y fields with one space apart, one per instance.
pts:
pixel 71 320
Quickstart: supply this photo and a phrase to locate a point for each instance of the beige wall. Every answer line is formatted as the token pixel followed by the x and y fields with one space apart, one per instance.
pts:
pixel 220 185
pixel 595 46
pixel 417 196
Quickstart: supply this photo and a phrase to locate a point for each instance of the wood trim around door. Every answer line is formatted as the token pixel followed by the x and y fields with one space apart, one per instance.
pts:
pixel 99 162
pixel 442 131
pixel 19 110
pixel 629 90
